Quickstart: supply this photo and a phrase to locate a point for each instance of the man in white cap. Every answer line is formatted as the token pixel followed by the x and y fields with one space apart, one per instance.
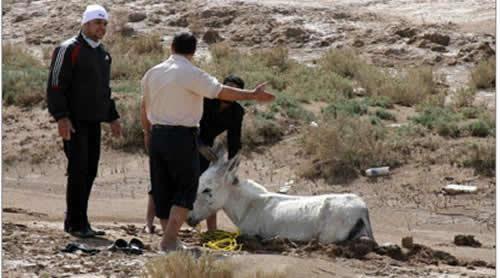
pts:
pixel 79 99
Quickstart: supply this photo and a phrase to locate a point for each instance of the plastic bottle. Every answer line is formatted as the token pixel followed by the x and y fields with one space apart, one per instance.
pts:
pixel 379 171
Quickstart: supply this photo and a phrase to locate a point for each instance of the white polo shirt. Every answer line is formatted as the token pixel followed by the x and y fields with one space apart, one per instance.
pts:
pixel 173 92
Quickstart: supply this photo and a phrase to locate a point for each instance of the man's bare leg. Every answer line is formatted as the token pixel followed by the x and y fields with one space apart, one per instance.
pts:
pixel 150 214
pixel 212 222
pixel 171 227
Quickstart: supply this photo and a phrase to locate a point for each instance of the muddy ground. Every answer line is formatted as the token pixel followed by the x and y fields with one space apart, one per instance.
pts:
pixel 451 35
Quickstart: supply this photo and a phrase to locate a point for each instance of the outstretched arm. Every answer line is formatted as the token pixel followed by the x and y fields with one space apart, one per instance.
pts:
pixel 258 94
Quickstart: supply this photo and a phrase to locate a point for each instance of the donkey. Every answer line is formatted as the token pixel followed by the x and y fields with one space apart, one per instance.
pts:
pixel 328 218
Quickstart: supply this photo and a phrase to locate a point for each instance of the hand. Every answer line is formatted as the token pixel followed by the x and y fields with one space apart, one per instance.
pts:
pixel 65 128
pixel 261 95
pixel 116 128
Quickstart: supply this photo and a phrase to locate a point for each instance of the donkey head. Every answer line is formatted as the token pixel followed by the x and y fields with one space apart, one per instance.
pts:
pixel 214 187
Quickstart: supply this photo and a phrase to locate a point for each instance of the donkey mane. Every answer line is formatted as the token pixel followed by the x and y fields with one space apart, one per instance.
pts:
pixel 253 188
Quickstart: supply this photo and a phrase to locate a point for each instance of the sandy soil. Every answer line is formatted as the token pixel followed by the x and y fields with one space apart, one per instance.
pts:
pixel 407 203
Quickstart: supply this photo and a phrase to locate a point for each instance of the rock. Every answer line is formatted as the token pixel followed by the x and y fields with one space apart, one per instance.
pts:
pixel 358 43
pixel 394 51
pixel 423 44
pixel 21 17
pixel 486 50
pixel 438 48
pixel 127 30
pixel 180 22
pixel 438 38
pixel 466 240
pixel 407 242
pixel 212 36
pixel 136 17
pixel 294 33
pixel 391 250
pixel 217 12
pixel 34 40
pixel 406 32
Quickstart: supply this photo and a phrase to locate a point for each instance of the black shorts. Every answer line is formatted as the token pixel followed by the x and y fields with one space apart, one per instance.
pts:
pixel 174 168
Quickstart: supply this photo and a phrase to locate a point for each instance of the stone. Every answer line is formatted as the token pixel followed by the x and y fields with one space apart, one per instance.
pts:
pixel 212 36
pixel 136 17
pixel 438 38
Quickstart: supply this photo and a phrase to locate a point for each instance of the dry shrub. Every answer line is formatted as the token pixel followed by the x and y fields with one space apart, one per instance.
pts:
pixel 415 86
pixel 132 139
pixel 344 62
pixel 276 57
pixel 481 157
pixel 463 97
pixel 183 265
pixel 24 77
pixel 133 56
pixel 483 75
pixel 259 131
pixel 345 146
pixel 117 24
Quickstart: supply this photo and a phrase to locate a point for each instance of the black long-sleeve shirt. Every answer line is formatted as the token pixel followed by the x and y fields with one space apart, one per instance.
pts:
pixel 215 121
pixel 78 85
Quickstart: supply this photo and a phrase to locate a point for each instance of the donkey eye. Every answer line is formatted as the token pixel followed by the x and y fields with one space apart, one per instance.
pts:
pixel 207 191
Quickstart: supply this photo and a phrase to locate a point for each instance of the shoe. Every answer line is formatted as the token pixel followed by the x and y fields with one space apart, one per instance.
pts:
pixel 83 233
pixel 72 247
pixel 136 246
pixel 97 232
pixel 119 244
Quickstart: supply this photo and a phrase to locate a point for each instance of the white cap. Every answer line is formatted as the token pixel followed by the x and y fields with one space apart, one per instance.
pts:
pixel 94 12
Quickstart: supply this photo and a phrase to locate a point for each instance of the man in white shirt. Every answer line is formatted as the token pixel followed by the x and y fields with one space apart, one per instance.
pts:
pixel 172 107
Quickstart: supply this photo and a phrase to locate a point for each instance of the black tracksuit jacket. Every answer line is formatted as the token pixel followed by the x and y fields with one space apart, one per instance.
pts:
pixel 78 86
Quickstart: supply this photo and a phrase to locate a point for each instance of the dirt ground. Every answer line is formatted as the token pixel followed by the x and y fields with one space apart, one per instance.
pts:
pixel 409 202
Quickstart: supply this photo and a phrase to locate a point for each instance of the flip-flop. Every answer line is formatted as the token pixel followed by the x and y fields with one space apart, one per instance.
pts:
pixel 136 246
pixel 119 244
pixel 72 247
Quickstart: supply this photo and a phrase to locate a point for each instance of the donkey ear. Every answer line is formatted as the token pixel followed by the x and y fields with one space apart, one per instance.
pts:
pixel 231 168
pixel 220 150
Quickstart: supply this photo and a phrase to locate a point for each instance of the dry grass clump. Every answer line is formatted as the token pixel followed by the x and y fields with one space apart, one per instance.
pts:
pixel 481 157
pixel 283 74
pixel 343 147
pixel 259 131
pixel 183 265
pixel 410 87
pixel 133 56
pixel 484 74
pixel 132 139
pixel 463 97
pixel 24 77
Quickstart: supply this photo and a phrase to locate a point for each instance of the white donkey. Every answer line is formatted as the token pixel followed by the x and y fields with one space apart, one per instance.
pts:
pixel 256 211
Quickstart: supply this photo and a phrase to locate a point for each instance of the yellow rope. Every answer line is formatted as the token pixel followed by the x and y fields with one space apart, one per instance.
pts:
pixel 221 240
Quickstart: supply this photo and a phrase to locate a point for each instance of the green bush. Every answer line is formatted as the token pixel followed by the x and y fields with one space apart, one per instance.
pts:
pixel 385 115
pixel 479 128
pixel 349 107
pixel 290 107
